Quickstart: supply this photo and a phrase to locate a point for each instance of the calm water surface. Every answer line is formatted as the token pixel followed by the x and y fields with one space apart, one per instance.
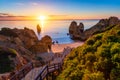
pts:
pixel 56 29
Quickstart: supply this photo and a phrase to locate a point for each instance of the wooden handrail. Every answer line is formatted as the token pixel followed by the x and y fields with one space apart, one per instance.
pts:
pixel 51 68
pixel 22 72
pixel 43 73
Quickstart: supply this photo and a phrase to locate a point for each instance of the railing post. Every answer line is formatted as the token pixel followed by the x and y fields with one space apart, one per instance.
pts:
pixel 40 77
pixel 54 67
pixel 32 65
pixel 47 72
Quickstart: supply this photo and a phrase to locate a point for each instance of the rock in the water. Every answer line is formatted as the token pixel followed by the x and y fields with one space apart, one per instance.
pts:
pixel 76 30
pixel 72 27
pixel 38 29
pixel 81 27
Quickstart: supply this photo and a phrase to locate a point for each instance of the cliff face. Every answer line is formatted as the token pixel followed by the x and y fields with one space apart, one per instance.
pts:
pixel 10 60
pixel 102 25
pixel 24 43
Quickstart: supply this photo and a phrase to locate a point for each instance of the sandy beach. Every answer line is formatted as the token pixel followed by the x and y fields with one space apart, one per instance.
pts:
pixel 59 47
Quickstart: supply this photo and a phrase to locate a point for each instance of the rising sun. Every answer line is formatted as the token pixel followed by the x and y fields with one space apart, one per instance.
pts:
pixel 42 18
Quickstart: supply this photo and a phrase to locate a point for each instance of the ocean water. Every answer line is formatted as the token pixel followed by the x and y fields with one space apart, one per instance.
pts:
pixel 56 29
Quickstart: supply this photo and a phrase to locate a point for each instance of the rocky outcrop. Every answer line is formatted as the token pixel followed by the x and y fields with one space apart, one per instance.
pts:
pixel 75 30
pixel 4 38
pixel 102 25
pixel 72 28
pixel 24 43
pixel 48 41
pixel 42 46
pixel 28 36
pixel 10 60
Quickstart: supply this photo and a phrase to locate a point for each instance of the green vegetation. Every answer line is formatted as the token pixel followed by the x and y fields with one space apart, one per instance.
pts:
pixel 97 59
pixel 6 64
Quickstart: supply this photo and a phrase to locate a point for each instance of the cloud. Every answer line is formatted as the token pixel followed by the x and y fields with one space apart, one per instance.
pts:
pixel 57 15
pixel 29 3
pixel 34 3
pixel 5 15
pixel 20 4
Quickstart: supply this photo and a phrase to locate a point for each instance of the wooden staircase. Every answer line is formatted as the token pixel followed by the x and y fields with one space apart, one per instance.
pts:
pixel 45 70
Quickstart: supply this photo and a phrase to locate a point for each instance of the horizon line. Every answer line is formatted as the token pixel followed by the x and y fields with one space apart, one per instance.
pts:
pixel 46 20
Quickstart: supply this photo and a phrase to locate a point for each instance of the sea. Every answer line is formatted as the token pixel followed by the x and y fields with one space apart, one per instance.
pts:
pixel 57 29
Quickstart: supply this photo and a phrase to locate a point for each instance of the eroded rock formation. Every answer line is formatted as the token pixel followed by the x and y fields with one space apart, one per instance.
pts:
pixel 24 44
pixel 76 30
pixel 79 33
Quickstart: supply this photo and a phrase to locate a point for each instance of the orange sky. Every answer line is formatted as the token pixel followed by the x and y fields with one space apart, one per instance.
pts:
pixel 47 17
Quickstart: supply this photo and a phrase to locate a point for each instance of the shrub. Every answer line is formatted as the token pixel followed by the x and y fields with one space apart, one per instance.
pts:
pixel 90 57
pixel 89 49
pixel 115 48
pixel 118 32
pixel 97 44
pixel 112 38
pixel 93 76
pixel 104 51
pixel 90 42
pixel 116 58
pixel 98 37
pixel 5 62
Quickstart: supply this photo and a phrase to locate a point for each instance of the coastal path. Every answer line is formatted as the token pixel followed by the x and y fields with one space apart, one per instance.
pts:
pixel 28 72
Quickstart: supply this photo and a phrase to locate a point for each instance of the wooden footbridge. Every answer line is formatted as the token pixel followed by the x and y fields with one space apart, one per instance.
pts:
pixel 45 70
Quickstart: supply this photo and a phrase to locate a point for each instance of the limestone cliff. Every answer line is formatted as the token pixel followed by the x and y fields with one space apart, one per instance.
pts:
pixel 81 34
pixel 24 44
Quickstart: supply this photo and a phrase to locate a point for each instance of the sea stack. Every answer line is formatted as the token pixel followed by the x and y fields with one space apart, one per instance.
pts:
pixel 38 29
pixel 76 30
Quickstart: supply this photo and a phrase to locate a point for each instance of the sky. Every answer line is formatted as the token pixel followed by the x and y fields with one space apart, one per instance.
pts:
pixel 70 9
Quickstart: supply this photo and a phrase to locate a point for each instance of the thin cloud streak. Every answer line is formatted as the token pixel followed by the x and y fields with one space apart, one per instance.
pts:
pixel 34 4
pixel 19 4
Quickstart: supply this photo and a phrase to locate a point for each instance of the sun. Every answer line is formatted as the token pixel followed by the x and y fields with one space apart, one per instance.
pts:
pixel 42 18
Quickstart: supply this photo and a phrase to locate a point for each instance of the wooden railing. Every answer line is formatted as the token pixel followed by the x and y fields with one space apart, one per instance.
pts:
pixel 45 70
pixel 21 73
pixel 50 68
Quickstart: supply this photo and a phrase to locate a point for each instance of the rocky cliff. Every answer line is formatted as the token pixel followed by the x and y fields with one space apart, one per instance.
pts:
pixel 79 32
pixel 24 44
